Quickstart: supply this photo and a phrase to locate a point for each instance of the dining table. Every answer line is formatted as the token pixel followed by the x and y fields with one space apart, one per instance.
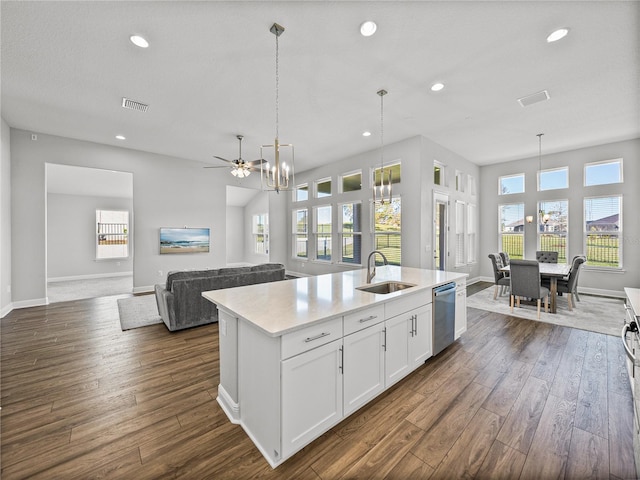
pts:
pixel 552 271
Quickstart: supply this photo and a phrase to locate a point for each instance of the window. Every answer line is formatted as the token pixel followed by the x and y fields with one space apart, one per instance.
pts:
pixel 472 254
pixel 552 234
pixel 300 233
pixel 351 233
pixel 602 230
pixel 438 174
pixel 112 234
pixel 553 179
pixel 511 184
pixel 459 181
pixel 302 193
pixel 395 174
pixel 511 229
pixel 323 232
pixel 472 184
pixel 602 173
pixel 387 230
pixel 351 182
pixel 260 232
pixel 323 188
pixel 460 256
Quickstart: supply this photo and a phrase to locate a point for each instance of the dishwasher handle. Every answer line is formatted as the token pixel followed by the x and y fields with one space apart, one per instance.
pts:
pixel 628 327
pixel 444 289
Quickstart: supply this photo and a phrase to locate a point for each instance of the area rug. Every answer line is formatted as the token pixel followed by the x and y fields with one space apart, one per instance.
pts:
pixel 597 314
pixel 138 311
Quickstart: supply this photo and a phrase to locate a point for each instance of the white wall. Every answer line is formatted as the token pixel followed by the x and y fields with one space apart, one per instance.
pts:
pixel 5 219
pixel 71 236
pixel 596 280
pixel 235 234
pixel 417 155
pixel 168 192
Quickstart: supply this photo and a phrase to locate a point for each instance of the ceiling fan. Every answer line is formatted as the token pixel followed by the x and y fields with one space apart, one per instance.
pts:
pixel 239 167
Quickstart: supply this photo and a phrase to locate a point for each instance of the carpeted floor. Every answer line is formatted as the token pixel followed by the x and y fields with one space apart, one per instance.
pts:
pixel 138 311
pixel 593 313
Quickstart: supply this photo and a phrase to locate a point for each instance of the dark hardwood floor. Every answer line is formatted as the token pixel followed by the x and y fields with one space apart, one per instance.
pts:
pixel 511 399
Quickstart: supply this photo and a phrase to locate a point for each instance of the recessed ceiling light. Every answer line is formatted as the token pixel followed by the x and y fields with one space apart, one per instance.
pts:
pixel 436 87
pixel 557 35
pixel 139 41
pixel 366 134
pixel 121 137
pixel 368 28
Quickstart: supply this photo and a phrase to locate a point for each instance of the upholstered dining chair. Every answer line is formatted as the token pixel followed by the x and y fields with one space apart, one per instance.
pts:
pixel 505 258
pixel 570 286
pixel 546 257
pixel 501 280
pixel 525 282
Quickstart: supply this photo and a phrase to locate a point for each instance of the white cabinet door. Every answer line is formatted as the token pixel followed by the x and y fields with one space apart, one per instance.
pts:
pixel 363 367
pixel 311 395
pixel 420 344
pixel 397 331
pixel 461 312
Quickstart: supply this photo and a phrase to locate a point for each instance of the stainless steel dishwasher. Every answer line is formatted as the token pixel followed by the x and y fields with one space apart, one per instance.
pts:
pixel 444 316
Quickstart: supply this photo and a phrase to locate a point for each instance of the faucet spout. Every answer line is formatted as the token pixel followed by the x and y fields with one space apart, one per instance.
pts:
pixel 372 273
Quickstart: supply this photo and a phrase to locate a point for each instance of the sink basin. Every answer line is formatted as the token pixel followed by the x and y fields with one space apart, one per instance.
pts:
pixel 385 287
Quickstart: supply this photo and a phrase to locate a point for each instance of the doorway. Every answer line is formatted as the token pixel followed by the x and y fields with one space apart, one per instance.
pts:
pixel 440 230
pixel 83 259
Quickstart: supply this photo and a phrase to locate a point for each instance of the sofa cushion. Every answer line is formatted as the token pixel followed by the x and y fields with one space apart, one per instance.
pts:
pixel 186 274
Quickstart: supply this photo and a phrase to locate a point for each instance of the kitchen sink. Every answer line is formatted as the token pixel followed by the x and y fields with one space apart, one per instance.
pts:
pixel 385 287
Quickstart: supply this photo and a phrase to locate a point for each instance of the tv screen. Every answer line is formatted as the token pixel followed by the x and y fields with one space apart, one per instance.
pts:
pixel 184 240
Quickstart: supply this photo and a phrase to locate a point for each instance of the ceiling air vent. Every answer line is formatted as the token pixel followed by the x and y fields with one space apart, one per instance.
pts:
pixel 134 105
pixel 534 98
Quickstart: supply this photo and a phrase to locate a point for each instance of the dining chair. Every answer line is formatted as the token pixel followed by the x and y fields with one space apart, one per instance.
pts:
pixel 543 256
pixel 525 282
pixel 501 280
pixel 570 285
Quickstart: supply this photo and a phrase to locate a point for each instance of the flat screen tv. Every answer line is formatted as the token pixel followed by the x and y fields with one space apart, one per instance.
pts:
pixel 184 240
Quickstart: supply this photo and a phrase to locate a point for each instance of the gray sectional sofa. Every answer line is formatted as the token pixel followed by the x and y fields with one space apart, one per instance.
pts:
pixel 180 301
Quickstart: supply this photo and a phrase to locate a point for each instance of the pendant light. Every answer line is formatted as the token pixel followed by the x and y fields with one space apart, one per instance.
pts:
pixel 378 190
pixel 543 217
pixel 278 175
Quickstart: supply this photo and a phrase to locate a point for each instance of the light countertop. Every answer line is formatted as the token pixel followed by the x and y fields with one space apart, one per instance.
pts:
pixel 633 294
pixel 282 307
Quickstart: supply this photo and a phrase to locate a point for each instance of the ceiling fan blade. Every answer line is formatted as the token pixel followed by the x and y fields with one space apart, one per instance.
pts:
pixel 217 166
pixel 254 163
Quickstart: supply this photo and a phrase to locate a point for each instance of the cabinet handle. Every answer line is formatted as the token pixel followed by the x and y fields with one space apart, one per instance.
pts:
pixel 362 320
pixel 311 339
pixel 415 322
pixel 341 365
pixel 384 344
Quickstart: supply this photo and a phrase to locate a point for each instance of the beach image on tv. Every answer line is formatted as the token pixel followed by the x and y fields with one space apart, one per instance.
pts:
pixel 184 240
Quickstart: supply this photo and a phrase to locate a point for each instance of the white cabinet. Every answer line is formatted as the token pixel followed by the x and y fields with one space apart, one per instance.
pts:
pixel 311 395
pixel 363 367
pixel 407 342
pixel 461 309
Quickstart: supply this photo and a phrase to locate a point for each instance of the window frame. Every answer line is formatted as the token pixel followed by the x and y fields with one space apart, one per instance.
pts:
pixel 443 172
pixel 617 233
pixel 124 235
pixel 501 232
pixel 460 258
pixel 600 163
pixel 354 233
pixel 376 233
pixel 316 190
pixel 472 251
pixel 303 187
pixel 514 175
pixel 296 234
pixel 541 231
pixel 318 235
pixel 549 170
pixel 347 175
pixel 264 233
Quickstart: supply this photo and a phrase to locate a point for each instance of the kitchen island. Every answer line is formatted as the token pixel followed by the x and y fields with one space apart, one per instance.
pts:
pixel 298 356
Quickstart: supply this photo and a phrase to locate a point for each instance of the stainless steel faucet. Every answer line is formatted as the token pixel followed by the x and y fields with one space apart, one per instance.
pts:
pixel 372 273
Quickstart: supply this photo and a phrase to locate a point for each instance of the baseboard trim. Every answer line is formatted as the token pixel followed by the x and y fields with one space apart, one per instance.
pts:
pixel 601 293
pixel 35 302
pixel 6 310
pixel 89 277
pixel 296 274
pixel 144 289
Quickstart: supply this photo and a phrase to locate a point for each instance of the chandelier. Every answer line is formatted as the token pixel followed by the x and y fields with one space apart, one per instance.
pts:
pixel 543 218
pixel 378 190
pixel 277 174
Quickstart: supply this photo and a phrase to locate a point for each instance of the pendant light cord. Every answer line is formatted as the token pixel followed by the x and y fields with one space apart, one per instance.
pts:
pixel 277 89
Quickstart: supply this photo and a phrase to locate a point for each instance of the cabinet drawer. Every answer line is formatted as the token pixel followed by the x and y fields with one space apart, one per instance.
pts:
pixel 363 318
pixel 311 337
pixel 461 284
pixel 406 303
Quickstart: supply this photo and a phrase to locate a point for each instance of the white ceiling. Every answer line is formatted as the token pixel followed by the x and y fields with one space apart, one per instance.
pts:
pixel 209 74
